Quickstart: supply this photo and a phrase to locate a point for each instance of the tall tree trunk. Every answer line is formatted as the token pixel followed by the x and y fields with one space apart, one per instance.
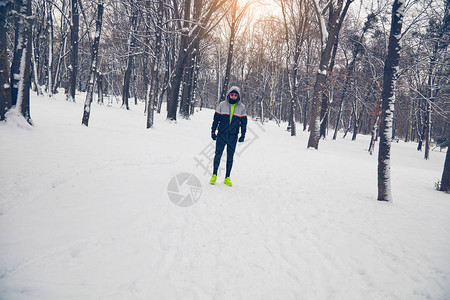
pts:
pixel 35 70
pixel 186 98
pixel 186 46
pixel 75 18
pixel 145 75
pixel 94 62
pixel 430 100
pixel 390 75
pixel 445 180
pixel 100 87
pixel 305 103
pixel 5 86
pixel 62 50
pixel 325 99
pixel 146 60
pixel 153 87
pixel 292 82
pixel 321 79
pixel 172 101
pixel 21 64
pixel 130 57
pixel 187 86
pixel 422 122
pixel 328 39
pixel 50 48
pixel 294 94
pixel 183 56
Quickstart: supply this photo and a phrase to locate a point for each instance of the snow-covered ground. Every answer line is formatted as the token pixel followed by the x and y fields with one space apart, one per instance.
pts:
pixel 85 213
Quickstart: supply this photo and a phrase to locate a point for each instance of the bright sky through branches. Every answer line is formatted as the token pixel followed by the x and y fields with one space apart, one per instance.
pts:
pixel 262 8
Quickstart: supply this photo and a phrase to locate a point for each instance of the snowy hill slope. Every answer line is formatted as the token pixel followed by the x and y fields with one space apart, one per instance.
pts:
pixel 85 214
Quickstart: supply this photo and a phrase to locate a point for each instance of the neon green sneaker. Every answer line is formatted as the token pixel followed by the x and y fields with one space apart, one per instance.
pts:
pixel 213 179
pixel 227 181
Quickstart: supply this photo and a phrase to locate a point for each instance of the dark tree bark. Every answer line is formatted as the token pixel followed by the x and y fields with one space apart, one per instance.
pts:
pixel 153 87
pixel 388 99
pixel 50 49
pixel 187 87
pixel 430 99
pixel 445 180
pixel 172 100
pixel 292 90
pixel 94 62
pixel 146 59
pixel 100 87
pixel 130 56
pixel 183 57
pixel 75 18
pixel 186 47
pixel 328 39
pixel 305 103
pixel 189 84
pixel 21 64
pixel 5 85
pixel 325 99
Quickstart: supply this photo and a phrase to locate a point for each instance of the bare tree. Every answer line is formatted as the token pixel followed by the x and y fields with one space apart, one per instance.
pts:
pixel 130 55
pixel 445 180
pixel 73 69
pixel 34 52
pixel 388 99
pixel 50 48
pixel 21 64
pixel 94 64
pixel 5 86
pixel 351 68
pixel 338 11
pixel 439 42
pixel 190 36
pixel 153 86
pixel 189 69
pixel 298 19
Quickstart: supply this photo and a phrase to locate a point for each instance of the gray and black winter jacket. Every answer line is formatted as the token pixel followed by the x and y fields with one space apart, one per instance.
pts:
pixel 222 116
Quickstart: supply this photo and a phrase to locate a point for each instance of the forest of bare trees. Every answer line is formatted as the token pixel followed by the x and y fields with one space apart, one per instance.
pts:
pixel 321 64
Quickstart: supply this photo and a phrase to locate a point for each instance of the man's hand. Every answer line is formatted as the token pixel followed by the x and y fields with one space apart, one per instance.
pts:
pixel 213 136
pixel 241 139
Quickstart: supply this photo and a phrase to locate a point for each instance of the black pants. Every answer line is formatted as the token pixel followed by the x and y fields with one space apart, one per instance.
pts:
pixel 229 140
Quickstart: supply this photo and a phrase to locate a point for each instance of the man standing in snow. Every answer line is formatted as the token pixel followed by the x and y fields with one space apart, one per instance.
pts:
pixel 228 118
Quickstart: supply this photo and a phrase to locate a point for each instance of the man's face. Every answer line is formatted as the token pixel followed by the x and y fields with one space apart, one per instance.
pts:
pixel 234 96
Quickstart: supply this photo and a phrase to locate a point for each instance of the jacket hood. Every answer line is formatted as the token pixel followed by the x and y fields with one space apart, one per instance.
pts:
pixel 234 89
